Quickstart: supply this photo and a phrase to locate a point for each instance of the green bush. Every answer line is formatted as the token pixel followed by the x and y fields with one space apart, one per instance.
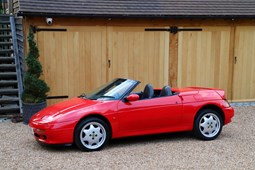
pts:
pixel 35 89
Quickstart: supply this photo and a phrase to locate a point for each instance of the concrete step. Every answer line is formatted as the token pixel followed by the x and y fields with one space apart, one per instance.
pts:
pixel 5 36
pixel 4 83
pixel 7 66
pixel 5 16
pixel 9 100
pixel 9 91
pixel 7 59
pixel 6 43
pixel 6 51
pixel 8 74
pixel 10 109
pixel 5 22
pixel 5 29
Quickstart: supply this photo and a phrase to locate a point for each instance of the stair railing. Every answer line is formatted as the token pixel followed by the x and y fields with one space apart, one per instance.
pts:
pixel 17 60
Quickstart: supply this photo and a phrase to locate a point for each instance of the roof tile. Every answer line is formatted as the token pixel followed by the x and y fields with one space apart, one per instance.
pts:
pixel 140 8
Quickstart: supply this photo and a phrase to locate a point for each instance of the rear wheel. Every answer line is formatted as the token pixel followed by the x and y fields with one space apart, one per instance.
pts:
pixel 92 134
pixel 208 124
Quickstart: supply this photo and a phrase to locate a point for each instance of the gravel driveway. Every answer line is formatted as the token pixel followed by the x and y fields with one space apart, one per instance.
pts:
pixel 233 149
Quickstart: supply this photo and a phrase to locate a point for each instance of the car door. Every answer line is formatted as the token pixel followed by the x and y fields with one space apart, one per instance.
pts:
pixel 146 116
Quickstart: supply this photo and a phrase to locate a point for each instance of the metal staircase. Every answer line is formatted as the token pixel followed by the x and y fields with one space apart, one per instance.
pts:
pixel 10 72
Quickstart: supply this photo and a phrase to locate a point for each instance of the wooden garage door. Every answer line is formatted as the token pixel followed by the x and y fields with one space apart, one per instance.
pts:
pixel 74 60
pixel 203 58
pixel 86 57
pixel 136 54
pixel 244 67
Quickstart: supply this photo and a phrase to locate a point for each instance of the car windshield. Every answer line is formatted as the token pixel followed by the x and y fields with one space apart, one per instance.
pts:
pixel 113 90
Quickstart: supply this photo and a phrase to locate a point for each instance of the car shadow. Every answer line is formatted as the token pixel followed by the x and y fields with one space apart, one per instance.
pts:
pixel 166 137
pixel 126 142
pixel 57 148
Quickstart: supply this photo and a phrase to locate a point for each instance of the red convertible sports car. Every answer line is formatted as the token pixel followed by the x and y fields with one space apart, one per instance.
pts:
pixel 114 110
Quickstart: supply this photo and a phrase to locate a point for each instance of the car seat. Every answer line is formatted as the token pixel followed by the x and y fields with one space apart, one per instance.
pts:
pixel 148 92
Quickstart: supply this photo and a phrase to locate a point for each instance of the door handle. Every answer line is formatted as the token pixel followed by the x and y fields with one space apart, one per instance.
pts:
pixel 109 63
pixel 235 59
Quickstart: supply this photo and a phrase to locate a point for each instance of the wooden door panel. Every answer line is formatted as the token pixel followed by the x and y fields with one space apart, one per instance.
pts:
pixel 139 55
pixel 203 58
pixel 244 70
pixel 73 61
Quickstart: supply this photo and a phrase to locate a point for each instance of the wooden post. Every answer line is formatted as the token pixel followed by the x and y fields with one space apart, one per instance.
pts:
pixel 173 59
pixel 231 63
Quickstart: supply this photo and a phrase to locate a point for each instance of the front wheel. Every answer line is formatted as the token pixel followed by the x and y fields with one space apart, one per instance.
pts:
pixel 91 134
pixel 208 124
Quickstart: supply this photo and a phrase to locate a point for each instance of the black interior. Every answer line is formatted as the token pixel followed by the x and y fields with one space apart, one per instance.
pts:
pixel 149 92
pixel 166 91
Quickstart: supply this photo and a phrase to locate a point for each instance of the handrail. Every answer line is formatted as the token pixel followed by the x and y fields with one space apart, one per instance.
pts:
pixel 17 61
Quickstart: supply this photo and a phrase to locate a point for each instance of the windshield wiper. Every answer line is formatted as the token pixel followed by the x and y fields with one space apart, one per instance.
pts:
pixel 83 95
pixel 107 97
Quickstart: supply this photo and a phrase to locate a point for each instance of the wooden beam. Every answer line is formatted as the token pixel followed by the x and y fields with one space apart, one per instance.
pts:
pixel 75 21
pixel 231 63
pixel 173 60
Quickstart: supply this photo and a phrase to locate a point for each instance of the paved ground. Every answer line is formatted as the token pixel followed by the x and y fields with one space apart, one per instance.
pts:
pixel 234 149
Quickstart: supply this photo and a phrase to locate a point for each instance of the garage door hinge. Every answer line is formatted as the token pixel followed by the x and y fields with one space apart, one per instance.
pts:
pixel 173 29
pixel 36 29
pixel 57 97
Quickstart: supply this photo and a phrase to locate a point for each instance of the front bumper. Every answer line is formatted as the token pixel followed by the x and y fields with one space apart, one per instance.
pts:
pixel 229 113
pixel 56 133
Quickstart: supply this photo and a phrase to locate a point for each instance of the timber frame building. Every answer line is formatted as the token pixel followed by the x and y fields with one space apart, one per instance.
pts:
pixel 90 42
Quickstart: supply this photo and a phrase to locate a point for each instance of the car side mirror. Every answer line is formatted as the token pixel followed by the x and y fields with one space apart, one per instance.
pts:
pixel 132 97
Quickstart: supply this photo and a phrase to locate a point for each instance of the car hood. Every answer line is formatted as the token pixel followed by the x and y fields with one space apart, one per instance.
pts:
pixel 65 108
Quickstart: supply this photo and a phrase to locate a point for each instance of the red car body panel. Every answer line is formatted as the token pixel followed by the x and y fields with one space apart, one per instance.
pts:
pixel 148 116
pixel 56 124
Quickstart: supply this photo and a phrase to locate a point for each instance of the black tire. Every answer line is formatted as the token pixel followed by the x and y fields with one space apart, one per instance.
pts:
pixel 98 134
pixel 207 124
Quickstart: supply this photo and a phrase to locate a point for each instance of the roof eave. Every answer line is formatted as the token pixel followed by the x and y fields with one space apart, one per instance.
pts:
pixel 138 16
